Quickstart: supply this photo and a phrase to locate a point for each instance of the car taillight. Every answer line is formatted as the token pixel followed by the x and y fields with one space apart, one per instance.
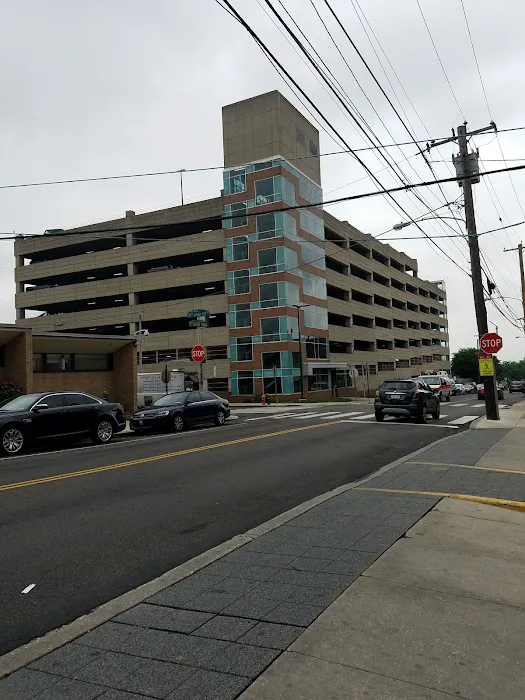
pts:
pixel 415 394
pixel 121 407
pixel 377 395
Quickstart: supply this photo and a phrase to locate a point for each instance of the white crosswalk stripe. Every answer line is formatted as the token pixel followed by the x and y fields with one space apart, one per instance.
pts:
pixel 284 415
pixel 302 416
pixel 462 420
pixel 367 416
pixel 341 415
pixel 458 405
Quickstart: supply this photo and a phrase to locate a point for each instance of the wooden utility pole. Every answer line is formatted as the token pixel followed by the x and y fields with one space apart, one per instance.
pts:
pixel 466 166
pixel 522 276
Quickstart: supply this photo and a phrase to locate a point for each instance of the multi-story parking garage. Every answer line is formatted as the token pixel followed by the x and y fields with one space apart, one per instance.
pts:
pixel 299 302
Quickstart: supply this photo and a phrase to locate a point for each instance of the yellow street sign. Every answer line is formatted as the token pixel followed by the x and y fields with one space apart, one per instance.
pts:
pixel 486 367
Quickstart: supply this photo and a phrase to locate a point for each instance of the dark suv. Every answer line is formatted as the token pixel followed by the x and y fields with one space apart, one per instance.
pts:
pixel 406 397
pixel 61 414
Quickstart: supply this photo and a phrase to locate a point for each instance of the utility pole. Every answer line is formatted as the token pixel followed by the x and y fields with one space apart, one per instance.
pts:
pixel 522 276
pixel 299 307
pixel 466 166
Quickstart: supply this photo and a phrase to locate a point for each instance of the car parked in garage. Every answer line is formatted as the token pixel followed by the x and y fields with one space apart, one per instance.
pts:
pixel 412 398
pixel 180 410
pixel 33 418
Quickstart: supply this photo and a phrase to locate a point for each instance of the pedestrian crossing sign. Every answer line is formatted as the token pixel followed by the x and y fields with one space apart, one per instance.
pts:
pixel 486 366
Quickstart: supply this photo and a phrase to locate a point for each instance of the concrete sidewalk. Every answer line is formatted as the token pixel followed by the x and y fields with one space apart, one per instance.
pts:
pixel 439 615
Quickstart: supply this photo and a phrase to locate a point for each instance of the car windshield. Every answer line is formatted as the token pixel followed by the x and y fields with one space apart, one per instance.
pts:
pixel 171 399
pixel 21 403
pixel 433 381
pixel 398 386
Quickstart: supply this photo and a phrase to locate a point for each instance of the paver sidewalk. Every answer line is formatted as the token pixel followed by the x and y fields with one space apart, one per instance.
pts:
pixel 440 615
pixel 212 634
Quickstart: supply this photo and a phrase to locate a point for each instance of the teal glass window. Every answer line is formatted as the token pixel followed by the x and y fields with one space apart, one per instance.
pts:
pixel 238 213
pixel 267 260
pixel 234 181
pixel 237 248
pixel 315 317
pixel 240 316
pixel 312 223
pixel 239 282
pixel 241 349
pixel 312 254
pixel 313 285
pixel 316 348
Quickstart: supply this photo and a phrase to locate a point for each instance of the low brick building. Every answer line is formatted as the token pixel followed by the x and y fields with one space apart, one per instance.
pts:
pixel 46 361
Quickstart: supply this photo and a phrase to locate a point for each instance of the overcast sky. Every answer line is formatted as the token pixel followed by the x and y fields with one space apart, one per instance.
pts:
pixel 128 86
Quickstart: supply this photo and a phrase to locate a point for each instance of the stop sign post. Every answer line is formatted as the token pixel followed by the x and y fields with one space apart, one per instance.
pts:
pixel 198 353
pixel 491 343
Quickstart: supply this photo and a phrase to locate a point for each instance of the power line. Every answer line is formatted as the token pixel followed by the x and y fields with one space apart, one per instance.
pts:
pixel 42 183
pixel 290 207
pixel 439 59
pixel 486 98
pixel 407 129
pixel 361 162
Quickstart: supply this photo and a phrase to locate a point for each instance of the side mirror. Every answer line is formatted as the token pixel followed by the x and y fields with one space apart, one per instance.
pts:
pixel 41 406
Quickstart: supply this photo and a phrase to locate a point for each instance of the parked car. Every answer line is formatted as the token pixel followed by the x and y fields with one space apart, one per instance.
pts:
pixel 472 387
pixel 406 397
pixel 441 385
pixel 481 392
pixel 459 389
pixel 33 418
pixel 180 410
pixel 516 385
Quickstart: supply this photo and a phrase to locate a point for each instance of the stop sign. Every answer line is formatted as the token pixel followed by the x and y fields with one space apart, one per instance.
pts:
pixel 198 353
pixel 491 343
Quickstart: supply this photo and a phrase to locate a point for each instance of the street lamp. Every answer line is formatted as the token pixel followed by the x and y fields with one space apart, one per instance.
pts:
pixel 139 334
pixel 404 224
pixel 299 307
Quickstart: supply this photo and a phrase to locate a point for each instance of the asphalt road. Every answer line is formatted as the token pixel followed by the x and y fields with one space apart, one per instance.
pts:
pixel 89 523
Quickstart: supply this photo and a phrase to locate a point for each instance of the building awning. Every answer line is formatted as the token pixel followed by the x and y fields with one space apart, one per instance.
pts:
pixel 310 366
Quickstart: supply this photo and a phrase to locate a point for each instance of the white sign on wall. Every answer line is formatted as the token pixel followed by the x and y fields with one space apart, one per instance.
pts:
pixel 151 383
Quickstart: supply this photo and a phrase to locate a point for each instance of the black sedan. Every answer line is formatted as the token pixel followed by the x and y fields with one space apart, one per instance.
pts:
pixel 180 410
pixel 33 418
pixel 406 397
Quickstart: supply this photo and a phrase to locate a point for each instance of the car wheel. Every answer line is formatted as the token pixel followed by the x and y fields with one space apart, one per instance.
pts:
pixel 12 440
pixel 220 418
pixel 103 432
pixel 422 415
pixel 178 423
pixel 437 412
pixel 440 397
pixel 380 417
pixel 448 397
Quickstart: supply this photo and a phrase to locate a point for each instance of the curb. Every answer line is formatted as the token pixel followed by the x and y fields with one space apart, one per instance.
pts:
pixel 36 648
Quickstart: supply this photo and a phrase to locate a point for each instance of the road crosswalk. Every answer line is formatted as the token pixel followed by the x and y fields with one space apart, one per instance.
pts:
pixel 360 417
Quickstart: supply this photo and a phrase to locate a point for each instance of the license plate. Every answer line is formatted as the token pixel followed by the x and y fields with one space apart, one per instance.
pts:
pixel 396 397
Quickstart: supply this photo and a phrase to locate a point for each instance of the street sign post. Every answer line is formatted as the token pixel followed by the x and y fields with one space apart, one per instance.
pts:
pixel 198 353
pixel 491 343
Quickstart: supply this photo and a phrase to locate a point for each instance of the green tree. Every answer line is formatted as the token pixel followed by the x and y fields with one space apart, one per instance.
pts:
pixel 513 370
pixel 465 364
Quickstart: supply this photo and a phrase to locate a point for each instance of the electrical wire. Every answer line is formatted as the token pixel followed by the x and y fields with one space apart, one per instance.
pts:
pixel 440 61
pixel 290 207
pixel 303 49
pixel 407 129
pixel 486 98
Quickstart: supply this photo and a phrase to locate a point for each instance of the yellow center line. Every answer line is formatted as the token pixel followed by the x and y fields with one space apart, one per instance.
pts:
pixel 469 466
pixel 154 458
pixel 501 502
